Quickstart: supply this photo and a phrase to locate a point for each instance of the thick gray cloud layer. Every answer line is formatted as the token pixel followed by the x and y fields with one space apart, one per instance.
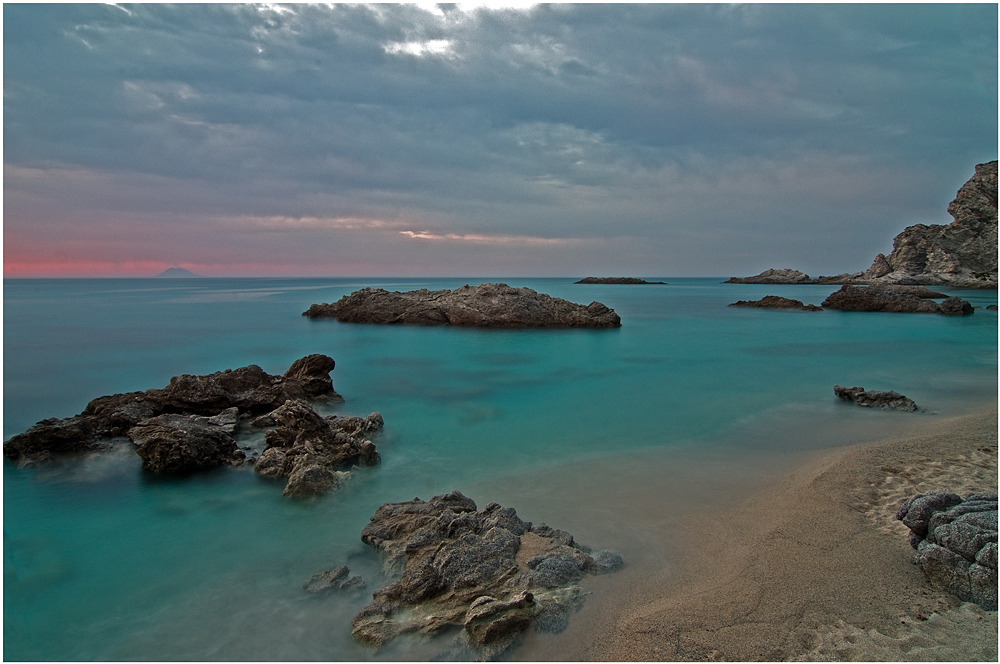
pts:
pixel 654 139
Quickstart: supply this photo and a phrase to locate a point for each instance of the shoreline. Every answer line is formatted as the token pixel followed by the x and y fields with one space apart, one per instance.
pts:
pixel 811 565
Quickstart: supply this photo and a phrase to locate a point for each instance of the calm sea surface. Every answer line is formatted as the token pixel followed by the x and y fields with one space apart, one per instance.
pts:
pixel 603 433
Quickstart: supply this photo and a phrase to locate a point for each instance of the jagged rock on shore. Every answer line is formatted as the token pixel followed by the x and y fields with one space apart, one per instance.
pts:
pixel 485 571
pixel 896 299
pixel 956 543
pixel 308 448
pixel 888 400
pixel 962 254
pixel 190 424
pixel 486 305
pixel 776 302
pixel 618 280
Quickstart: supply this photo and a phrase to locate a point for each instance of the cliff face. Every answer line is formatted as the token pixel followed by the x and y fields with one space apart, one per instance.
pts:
pixel 961 254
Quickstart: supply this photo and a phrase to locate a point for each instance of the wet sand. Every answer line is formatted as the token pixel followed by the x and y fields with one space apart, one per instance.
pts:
pixel 812 566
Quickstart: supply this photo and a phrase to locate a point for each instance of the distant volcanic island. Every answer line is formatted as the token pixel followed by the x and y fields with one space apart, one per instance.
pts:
pixel 485 305
pixel 176 273
pixel 616 280
pixel 962 254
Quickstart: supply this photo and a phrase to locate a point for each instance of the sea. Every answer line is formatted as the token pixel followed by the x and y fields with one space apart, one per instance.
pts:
pixel 610 434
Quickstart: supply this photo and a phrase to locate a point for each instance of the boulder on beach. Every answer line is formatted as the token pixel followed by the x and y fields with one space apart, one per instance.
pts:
pixel 189 424
pixel 776 302
pixel 486 305
pixel 956 543
pixel 484 571
pixel 887 400
pixel 895 299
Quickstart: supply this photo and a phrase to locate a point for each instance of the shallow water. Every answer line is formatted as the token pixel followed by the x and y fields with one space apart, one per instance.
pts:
pixel 606 433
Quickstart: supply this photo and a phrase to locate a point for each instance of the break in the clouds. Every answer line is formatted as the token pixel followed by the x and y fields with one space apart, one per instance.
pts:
pixel 649 139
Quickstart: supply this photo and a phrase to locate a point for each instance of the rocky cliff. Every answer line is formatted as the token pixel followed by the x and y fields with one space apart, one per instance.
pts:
pixel 962 253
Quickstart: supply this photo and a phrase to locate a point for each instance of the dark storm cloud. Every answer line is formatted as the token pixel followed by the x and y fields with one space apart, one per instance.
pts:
pixel 697 133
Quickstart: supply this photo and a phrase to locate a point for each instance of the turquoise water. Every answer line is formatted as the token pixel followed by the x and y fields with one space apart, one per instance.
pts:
pixel 688 400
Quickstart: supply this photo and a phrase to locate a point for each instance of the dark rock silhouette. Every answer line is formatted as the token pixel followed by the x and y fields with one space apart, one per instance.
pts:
pixel 617 280
pixel 895 299
pixel 776 302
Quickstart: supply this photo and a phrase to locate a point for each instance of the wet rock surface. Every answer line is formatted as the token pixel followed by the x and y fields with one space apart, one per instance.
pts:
pixel 337 579
pixel 776 302
pixel 896 299
pixel 484 572
pixel 307 449
pixel 190 425
pixel 956 543
pixel 888 400
pixel 486 305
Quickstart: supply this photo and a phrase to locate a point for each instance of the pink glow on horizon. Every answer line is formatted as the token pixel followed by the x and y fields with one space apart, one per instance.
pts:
pixel 82 269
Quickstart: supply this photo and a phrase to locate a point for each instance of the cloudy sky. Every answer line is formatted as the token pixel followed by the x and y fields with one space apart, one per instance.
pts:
pixel 455 140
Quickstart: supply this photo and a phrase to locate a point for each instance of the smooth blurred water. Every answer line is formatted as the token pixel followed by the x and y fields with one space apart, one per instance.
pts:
pixel 689 399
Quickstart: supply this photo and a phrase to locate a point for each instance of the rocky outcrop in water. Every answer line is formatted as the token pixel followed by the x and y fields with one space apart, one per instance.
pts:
pixel 307 448
pixel 486 305
pixel 485 571
pixel 962 254
pixel 896 299
pixel 888 400
pixel 617 280
pixel 789 276
pixel 189 425
pixel 776 302
pixel 956 543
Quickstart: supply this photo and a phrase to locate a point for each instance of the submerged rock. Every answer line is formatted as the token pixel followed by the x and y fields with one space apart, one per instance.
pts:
pixel 485 571
pixel 486 305
pixel 956 543
pixel 895 299
pixel 889 400
pixel 336 579
pixel 776 302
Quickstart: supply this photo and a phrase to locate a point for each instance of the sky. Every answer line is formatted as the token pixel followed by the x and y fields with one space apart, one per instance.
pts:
pixel 648 140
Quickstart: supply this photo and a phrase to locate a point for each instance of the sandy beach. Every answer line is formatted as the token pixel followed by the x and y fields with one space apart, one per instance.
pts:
pixel 812 567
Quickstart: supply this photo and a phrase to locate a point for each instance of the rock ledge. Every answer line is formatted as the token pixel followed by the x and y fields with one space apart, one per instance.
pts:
pixel 485 571
pixel 486 305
